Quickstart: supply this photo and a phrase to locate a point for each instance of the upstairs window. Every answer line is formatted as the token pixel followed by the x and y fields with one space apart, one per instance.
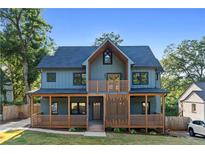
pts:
pixel 51 77
pixel 107 57
pixel 157 76
pixel 193 108
pixel 140 78
pixel 79 79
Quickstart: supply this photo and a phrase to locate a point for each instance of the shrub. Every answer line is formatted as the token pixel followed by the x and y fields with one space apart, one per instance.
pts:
pixel 18 102
pixel 152 133
pixel 109 128
pixel 117 130
pixel 72 129
pixel 133 131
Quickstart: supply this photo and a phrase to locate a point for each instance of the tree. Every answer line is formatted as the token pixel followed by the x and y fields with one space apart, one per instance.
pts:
pixel 24 36
pixel 115 38
pixel 183 65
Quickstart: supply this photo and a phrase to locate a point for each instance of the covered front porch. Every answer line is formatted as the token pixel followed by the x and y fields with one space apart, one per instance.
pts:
pixel 131 110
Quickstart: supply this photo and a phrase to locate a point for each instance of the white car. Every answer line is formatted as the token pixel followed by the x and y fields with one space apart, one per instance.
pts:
pixel 196 127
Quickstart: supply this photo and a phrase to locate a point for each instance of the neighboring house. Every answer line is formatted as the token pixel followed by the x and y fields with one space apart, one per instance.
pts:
pixel 192 102
pixel 108 85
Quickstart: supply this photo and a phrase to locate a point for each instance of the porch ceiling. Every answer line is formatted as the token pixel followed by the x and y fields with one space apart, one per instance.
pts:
pixel 59 91
pixel 148 90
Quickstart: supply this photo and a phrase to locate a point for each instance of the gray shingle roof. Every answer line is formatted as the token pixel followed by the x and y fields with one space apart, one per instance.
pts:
pixel 74 56
pixel 201 94
pixel 147 90
pixel 201 85
pixel 59 91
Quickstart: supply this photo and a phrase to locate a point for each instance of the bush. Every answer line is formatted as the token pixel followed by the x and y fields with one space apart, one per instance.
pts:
pixel 109 129
pixel 117 130
pixel 72 129
pixel 18 102
pixel 152 133
pixel 133 131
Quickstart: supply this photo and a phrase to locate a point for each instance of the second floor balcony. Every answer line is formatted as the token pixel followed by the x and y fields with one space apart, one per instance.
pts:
pixel 108 86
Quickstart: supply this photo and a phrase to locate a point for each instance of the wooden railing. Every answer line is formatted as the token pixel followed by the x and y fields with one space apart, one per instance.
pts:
pixel 153 121
pixel 59 121
pixel 107 86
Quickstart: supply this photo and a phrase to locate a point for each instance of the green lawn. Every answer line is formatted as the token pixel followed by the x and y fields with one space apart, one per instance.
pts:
pixel 29 137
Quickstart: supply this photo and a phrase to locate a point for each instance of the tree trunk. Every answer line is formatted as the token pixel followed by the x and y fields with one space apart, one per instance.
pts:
pixel 25 74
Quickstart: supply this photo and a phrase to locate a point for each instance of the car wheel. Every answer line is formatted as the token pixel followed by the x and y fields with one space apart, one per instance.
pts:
pixel 191 132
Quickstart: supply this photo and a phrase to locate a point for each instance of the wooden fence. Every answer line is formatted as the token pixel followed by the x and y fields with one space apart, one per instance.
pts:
pixel 11 112
pixel 176 123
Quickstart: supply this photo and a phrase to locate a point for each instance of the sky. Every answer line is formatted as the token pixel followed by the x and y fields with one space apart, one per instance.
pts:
pixel 157 28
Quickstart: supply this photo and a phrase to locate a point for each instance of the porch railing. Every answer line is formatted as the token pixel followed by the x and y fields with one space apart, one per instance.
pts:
pixel 108 86
pixel 153 121
pixel 59 121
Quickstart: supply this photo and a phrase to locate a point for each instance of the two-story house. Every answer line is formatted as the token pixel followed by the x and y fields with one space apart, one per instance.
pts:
pixel 109 85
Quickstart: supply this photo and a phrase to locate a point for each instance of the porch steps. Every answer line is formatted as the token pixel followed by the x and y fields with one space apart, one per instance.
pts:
pixel 95 127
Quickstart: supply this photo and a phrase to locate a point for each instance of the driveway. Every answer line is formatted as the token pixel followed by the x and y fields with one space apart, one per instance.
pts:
pixel 14 124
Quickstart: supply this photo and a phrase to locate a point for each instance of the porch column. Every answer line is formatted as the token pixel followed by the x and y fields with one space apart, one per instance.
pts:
pixel 146 122
pixel 31 110
pixel 104 111
pixel 69 119
pixel 163 112
pixel 50 103
pixel 87 104
pixel 129 112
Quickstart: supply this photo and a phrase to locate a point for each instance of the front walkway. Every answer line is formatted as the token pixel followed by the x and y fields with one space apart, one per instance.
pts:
pixel 14 124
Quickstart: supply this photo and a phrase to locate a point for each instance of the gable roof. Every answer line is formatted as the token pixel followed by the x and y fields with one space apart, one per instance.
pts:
pixel 74 56
pixel 108 41
pixel 201 94
pixel 201 85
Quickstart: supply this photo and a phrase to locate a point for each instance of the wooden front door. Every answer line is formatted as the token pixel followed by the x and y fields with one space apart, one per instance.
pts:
pixel 96 111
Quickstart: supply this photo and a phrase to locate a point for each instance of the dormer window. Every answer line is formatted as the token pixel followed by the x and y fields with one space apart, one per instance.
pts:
pixel 107 57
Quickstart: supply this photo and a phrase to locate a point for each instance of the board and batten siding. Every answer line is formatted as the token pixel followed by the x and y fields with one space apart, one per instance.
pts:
pixel 64 79
pixel 153 83
pixel 98 71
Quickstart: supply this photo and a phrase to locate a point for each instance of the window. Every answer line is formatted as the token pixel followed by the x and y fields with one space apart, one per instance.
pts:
pixel 140 78
pixel 54 108
pixel 51 77
pixel 107 57
pixel 78 108
pixel 193 108
pixel 144 107
pixel 79 79
pixel 157 76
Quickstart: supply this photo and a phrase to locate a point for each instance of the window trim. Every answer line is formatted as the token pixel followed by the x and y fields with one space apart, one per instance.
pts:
pixel 193 111
pixel 81 84
pixel 104 57
pixel 78 108
pixel 50 73
pixel 147 83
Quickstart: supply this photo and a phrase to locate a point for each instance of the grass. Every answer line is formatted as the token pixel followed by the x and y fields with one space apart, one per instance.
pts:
pixel 37 138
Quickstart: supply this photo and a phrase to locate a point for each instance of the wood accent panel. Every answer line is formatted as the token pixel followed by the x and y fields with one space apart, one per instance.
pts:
pixel 108 86
pixel 116 110
pixel 78 121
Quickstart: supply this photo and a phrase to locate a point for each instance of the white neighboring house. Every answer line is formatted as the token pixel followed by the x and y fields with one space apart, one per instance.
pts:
pixel 192 102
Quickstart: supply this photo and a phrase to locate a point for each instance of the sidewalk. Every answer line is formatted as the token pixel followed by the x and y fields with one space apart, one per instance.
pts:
pixel 14 124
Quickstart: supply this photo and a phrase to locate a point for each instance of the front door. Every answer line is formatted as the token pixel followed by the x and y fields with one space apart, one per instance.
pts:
pixel 96 110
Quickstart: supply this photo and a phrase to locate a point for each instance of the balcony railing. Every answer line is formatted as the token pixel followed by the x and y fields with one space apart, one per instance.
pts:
pixel 108 86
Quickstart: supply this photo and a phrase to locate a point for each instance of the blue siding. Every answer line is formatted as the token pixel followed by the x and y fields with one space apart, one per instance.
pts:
pixel 98 71
pixel 153 83
pixel 44 108
pixel 136 106
pixel 64 79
